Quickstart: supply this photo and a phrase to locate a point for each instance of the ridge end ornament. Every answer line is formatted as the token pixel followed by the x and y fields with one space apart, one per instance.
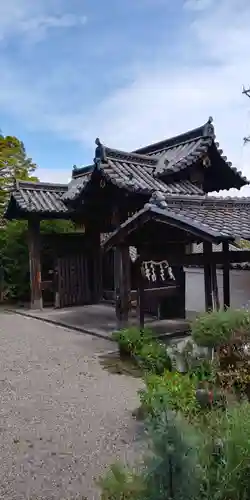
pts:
pixel 100 153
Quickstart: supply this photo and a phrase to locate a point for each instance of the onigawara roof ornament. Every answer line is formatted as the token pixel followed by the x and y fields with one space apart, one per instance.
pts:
pixel 100 156
pixel 157 199
pixel 209 128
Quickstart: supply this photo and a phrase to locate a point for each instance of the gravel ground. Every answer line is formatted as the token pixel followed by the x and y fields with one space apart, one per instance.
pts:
pixel 62 417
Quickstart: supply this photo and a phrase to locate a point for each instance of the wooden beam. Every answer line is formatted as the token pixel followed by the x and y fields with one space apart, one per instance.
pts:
pixel 207 250
pixel 226 277
pixel 200 259
pixel 36 301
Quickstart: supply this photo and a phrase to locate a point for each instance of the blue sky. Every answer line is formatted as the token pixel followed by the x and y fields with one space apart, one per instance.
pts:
pixel 130 72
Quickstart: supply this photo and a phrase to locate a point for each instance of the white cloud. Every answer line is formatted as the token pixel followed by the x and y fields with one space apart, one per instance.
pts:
pixel 57 176
pixel 33 18
pixel 198 5
pixel 170 99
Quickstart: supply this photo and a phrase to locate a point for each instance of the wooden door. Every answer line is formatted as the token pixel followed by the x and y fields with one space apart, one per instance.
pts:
pixel 73 280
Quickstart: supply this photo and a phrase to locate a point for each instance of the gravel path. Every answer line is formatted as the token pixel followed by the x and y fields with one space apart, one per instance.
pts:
pixel 62 417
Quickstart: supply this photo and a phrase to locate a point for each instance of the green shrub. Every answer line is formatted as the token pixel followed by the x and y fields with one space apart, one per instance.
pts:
pixel 217 328
pixel 131 340
pixel 121 483
pixel 224 454
pixel 171 391
pixel 172 470
pixel 154 358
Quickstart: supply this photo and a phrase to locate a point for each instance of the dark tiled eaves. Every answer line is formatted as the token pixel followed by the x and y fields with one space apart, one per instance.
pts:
pixel 75 187
pixel 135 178
pixel 230 218
pixel 182 156
pixel 115 154
pixel 203 219
pixel 132 176
pixel 240 179
pixel 38 186
pixel 206 130
pixel 39 198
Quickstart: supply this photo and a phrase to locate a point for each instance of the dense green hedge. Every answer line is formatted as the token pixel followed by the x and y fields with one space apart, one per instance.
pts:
pixel 14 259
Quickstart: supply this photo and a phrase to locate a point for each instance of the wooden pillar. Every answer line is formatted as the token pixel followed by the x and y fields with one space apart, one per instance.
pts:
pixel 215 293
pixel 122 284
pixel 93 254
pixel 207 250
pixel 97 256
pixel 140 294
pixel 121 278
pixel 226 275
pixel 35 263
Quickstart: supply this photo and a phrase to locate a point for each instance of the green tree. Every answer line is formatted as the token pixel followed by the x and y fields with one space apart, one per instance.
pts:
pixel 14 164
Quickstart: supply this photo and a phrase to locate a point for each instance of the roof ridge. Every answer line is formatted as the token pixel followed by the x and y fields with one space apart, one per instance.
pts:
pixel 111 152
pixel 218 200
pixel 39 186
pixel 205 130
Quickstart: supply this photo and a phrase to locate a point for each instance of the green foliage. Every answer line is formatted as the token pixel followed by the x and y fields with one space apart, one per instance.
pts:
pixel 150 354
pixel 132 340
pixel 172 470
pixel 154 358
pixel 121 484
pixel 14 258
pixel 172 391
pixel 14 164
pixel 224 455
pixel 217 328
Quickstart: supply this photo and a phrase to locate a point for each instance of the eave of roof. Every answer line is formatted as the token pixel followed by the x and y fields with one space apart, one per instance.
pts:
pixel 206 130
pixel 37 198
pixel 209 219
pixel 184 150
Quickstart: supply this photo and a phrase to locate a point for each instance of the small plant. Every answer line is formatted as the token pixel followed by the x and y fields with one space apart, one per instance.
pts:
pixel 121 484
pixel 217 328
pixel 154 358
pixel 131 340
pixel 171 391
pixel 224 454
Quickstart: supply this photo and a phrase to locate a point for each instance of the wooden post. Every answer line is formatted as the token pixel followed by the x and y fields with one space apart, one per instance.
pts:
pixel 98 286
pixel 140 294
pixel 207 249
pixel 215 293
pixel 226 276
pixel 122 285
pixel 125 284
pixel 35 263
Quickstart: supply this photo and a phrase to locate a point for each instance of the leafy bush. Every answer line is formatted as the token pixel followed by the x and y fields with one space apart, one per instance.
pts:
pixel 217 328
pixel 172 471
pixel 132 340
pixel 154 358
pixel 171 391
pixel 121 483
pixel 224 454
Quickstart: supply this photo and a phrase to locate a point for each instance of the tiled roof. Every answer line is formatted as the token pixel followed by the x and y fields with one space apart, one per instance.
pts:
pixel 135 173
pixel 41 198
pixel 182 151
pixel 161 147
pixel 213 218
pixel 75 187
pixel 229 217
